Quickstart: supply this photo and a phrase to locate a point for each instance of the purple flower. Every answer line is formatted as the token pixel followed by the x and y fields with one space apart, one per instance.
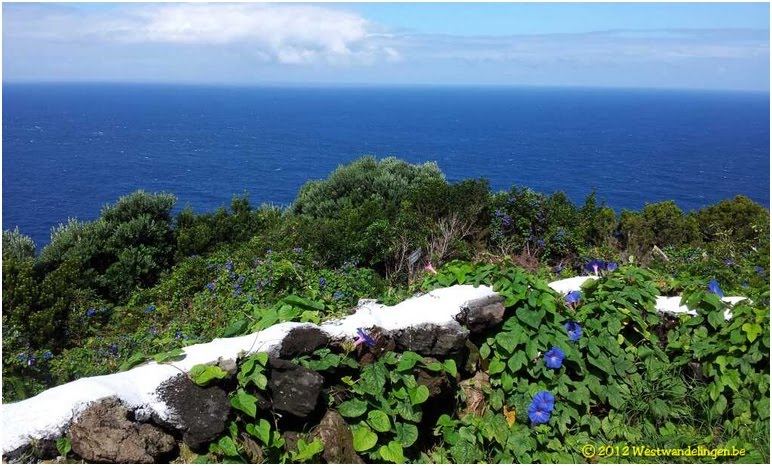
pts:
pixel 149 309
pixel 113 350
pixel 573 298
pixel 611 266
pixel 574 331
pixel 178 335
pixel 554 358
pixel 595 265
pixel 540 243
pixel 31 361
pixel 210 286
pixel 48 355
pixel 715 289
pixel 506 221
pixel 429 267
pixel 364 338
pixel 499 213
pixel 229 265
pixel 91 312
pixel 541 408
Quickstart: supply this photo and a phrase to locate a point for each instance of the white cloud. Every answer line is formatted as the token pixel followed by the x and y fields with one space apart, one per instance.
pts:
pixel 290 34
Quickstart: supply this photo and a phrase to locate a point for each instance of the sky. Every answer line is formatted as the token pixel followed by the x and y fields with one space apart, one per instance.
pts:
pixel 655 45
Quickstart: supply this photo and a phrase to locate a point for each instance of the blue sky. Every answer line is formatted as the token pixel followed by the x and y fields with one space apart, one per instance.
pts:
pixel 663 45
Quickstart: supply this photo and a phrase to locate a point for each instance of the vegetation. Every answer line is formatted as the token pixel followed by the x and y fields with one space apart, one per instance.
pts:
pixel 601 367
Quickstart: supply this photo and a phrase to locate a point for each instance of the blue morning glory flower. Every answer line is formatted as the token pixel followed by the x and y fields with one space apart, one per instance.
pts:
pixel 48 355
pixel 364 338
pixel 759 270
pixel 31 361
pixel 540 243
pixel 178 335
pixel 554 358
pixel 715 289
pixel 595 265
pixel 149 309
pixel 229 265
pixel 210 286
pixel 574 331
pixel 573 297
pixel 506 220
pixel 499 213
pixel 541 407
pixel 337 295
pixel 559 234
pixel 91 312
pixel 22 357
pixel 611 266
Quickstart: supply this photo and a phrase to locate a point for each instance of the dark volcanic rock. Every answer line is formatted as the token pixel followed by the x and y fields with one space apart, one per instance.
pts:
pixel 432 340
pixel 294 389
pixel 481 314
pixel 103 433
pixel 337 439
pixel 199 412
pixel 302 340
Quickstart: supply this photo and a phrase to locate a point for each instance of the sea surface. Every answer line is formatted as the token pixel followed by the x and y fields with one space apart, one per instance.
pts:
pixel 68 149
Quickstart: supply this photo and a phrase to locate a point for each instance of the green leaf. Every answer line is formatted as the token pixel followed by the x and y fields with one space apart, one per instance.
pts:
pixel 752 330
pixel 306 451
pixel 408 360
pixel 450 367
pixel 261 358
pixel 134 360
pixel 352 408
pixel 261 431
pixel 392 452
pixel 496 366
pixel 63 446
pixel 260 380
pixel 202 374
pixel 716 318
pixel 407 434
pixel 418 394
pixel 379 421
pixel 245 402
pixel 304 303
pixel 166 356
pixel 531 317
pixel 506 341
pixel 236 328
pixel 364 438
pixel 228 447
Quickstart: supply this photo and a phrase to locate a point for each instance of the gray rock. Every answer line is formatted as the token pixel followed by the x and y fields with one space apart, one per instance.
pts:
pixel 103 433
pixel 337 439
pixel 294 389
pixel 481 314
pixel 432 340
pixel 301 341
pixel 199 412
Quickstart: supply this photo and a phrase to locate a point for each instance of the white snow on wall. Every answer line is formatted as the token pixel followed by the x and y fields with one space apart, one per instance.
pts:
pixel 47 414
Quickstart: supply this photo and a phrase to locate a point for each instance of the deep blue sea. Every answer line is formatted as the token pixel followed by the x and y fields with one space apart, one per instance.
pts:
pixel 69 149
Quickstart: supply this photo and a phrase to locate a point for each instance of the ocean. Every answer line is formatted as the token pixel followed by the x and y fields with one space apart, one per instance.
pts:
pixel 68 149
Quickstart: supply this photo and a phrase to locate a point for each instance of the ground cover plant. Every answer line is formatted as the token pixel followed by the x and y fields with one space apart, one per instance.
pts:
pixel 599 366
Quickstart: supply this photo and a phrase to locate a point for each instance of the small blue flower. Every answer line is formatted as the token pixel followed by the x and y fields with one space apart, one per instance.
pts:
pixel 573 297
pixel 178 335
pixel 499 213
pixel 337 295
pixel 91 312
pixel 540 410
pixel 759 270
pixel 298 250
pixel 611 266
pixel 210 286
pixel 511 200
pixel 237 293
pixel 22 357
pixel 113 350
pixel 149 309
pixel 48 355
pixel 506 221
pixel 229 265
pixel 554 358
pixel 322 282
pixel 595 265
pixel 540 243
pixel 364 338
pixel 559 234
pixel 715 289
pixel 574 331
pixel 31 361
